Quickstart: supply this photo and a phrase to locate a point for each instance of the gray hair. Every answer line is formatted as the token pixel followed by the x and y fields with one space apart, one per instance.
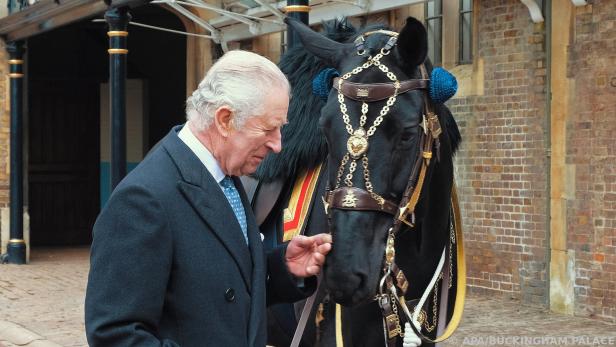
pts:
pixel 239 80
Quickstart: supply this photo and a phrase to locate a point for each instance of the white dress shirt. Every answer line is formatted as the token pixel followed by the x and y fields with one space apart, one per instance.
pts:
pixel 204 155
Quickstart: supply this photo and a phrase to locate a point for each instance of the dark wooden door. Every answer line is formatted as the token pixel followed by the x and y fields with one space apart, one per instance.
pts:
pixel 63 161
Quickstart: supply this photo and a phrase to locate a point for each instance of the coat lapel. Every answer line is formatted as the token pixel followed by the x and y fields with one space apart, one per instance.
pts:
pixel 257 307
pixel 203 193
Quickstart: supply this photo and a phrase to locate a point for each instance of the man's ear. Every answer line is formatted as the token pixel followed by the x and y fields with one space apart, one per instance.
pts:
pixel 223 119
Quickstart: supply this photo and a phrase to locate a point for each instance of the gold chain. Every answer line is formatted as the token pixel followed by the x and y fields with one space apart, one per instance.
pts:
pixel 394 307
pixel 375 196
pixel 343 163
pixel 429 327
pixel 390 102
pixel 360 132
pixel 349 176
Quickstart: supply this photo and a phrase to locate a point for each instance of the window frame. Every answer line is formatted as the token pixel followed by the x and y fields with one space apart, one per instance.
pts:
pixel 461 13
pixel 439 19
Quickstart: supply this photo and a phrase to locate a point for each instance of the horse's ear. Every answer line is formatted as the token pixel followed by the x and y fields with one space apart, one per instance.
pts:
pixel 413 42
pixel 329 51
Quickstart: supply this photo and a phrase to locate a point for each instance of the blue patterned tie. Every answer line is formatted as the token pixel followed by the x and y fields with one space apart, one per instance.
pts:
pixel 236 203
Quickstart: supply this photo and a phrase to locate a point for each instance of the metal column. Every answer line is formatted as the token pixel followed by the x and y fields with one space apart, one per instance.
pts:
pixel 298 9
pixel 118 19
pixel 16 249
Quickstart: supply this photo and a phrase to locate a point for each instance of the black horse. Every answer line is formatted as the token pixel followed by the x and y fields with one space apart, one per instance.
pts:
pixel 382 182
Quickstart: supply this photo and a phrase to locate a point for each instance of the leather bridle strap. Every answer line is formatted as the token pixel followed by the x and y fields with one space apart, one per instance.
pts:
pixel 362 202
pixel 301 324
pixel 432 130
pixel 370 92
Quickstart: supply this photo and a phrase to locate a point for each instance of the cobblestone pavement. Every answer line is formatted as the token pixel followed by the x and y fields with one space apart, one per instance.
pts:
pixel 41 305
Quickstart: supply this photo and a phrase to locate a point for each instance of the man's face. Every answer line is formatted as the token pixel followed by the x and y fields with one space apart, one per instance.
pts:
pixel 245 148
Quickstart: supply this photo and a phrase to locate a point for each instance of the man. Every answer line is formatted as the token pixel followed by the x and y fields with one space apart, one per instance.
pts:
pixel 177 258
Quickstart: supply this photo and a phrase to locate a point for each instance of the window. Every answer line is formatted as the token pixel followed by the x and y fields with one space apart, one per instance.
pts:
pixel 465 50
pixel 434 25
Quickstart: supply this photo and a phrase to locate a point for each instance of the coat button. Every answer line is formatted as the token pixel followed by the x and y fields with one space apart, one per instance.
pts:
pixel 230 294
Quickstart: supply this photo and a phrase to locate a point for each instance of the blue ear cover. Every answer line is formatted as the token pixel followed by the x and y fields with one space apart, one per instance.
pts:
pixel 322 83
pixel 443 85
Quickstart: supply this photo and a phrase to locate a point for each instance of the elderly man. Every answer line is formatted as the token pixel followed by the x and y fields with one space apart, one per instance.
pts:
pixel 177 258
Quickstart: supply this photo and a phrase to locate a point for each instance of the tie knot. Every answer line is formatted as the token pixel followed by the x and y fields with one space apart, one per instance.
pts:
pixel 227 182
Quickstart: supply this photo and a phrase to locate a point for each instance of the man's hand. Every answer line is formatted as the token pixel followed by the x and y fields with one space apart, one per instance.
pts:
pixel 305 255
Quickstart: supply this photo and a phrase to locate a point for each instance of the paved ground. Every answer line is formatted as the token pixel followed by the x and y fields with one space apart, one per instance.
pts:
pixel 41 305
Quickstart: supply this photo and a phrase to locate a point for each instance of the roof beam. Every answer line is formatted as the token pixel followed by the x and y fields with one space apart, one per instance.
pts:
pixel 271 8
pixel 206 6
pixel 46 15
pixel 320 11
pixel 198 20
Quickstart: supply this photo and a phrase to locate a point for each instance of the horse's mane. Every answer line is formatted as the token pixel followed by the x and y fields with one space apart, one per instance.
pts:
pixel 303 145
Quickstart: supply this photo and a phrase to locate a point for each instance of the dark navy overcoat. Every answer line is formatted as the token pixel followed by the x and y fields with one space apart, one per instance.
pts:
pixel 170 266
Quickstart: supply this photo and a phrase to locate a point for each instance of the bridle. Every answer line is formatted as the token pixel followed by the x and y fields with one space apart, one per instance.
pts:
pixel 348 197
pixel 393 284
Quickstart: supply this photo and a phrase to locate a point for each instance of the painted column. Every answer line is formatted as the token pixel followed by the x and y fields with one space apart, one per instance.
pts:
pixel 562 259
pixel 118 19
pixel 298 9
pixel 16 249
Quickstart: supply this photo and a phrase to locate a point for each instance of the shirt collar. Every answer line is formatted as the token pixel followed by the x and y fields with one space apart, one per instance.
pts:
pixel 204 155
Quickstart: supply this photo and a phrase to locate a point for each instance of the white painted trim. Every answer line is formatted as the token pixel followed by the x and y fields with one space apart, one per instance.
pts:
pixel 535 10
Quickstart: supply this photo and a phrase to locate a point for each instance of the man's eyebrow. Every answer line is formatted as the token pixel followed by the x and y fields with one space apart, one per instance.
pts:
pixel 275 123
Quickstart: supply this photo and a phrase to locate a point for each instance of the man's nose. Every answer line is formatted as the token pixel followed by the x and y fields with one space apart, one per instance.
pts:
pixel 275 143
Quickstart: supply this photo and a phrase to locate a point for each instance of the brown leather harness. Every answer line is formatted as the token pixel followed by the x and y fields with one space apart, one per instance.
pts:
pixel 428 139
pixel 402 212
pixel 357 199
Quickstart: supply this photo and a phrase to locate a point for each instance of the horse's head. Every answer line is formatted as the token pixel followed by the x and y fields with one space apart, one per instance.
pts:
pixel 373 138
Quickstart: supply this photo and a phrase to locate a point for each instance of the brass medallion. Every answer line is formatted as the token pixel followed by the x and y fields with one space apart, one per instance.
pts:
pixel 357 143
pixel 350 200
pixel 363 92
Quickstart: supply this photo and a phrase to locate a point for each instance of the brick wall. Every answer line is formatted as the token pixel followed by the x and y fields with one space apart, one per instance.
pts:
pixel 502 164
pixel 591 150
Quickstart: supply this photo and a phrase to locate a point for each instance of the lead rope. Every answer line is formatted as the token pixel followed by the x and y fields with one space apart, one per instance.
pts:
pixel 301 324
